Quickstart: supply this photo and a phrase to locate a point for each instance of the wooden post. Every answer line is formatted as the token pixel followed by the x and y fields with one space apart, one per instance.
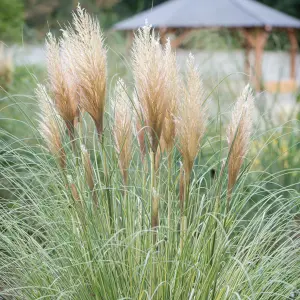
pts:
pixel 293 52
pixel 249 44
pixel 163 35
pixel 175 43
pixel 257 40
pixel 179 39
pixel 261 39
pixel 247 67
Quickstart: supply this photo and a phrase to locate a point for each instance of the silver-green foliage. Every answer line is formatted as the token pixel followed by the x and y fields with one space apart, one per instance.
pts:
pixel 54 245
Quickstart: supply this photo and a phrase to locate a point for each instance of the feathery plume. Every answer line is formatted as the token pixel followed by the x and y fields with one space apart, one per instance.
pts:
pixel 49 125
pixel 149 70
pixel 190 127
pixel 167 140
pixel 122 128
pixel 238 135
pixel 139 129
pixel 141 138
pixel 83 46
pixel 73 189
pixel 172 90
pixel 62 85
pixel 192 116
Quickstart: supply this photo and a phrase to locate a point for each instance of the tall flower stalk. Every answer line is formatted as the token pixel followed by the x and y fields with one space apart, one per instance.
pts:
pixel 169 126
pixel 86 55
pixel 191 125
pixel 61 85
pixel 49 126
pixel 172 93
pixel 83 47
pixel 238 137
pixel 149 70
pixel 122 128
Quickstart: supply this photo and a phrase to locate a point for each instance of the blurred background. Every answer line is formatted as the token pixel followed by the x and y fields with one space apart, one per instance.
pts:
pixel 28 20
pixel 219 53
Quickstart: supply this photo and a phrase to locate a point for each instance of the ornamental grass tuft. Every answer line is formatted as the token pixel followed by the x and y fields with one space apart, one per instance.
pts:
pixel 87 220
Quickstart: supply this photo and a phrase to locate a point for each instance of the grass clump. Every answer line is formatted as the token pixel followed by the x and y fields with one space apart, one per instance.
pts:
pixel 126 210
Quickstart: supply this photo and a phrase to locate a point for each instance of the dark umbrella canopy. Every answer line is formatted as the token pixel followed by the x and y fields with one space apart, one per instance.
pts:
pixel 210 13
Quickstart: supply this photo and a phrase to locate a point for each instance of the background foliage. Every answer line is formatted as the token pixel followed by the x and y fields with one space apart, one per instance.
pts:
pixel 11 19
pixel 39 15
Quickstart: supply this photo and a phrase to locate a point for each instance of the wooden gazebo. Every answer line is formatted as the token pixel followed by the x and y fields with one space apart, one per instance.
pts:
pixel 254 20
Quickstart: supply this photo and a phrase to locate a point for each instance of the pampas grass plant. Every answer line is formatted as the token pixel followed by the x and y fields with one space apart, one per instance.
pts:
pixel 191 125
pixel 172 99
pixel 50 126
pixel 69 231
pixel 150 63
pixel 61 84
pixel 83 46
pixel 238 136
pixel 123 128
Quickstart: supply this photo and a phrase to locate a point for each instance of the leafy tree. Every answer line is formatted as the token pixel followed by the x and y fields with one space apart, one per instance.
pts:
pixel 39 11
pixel 291 7
pixel 11 20
pixel 136 6
pixel 52 12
